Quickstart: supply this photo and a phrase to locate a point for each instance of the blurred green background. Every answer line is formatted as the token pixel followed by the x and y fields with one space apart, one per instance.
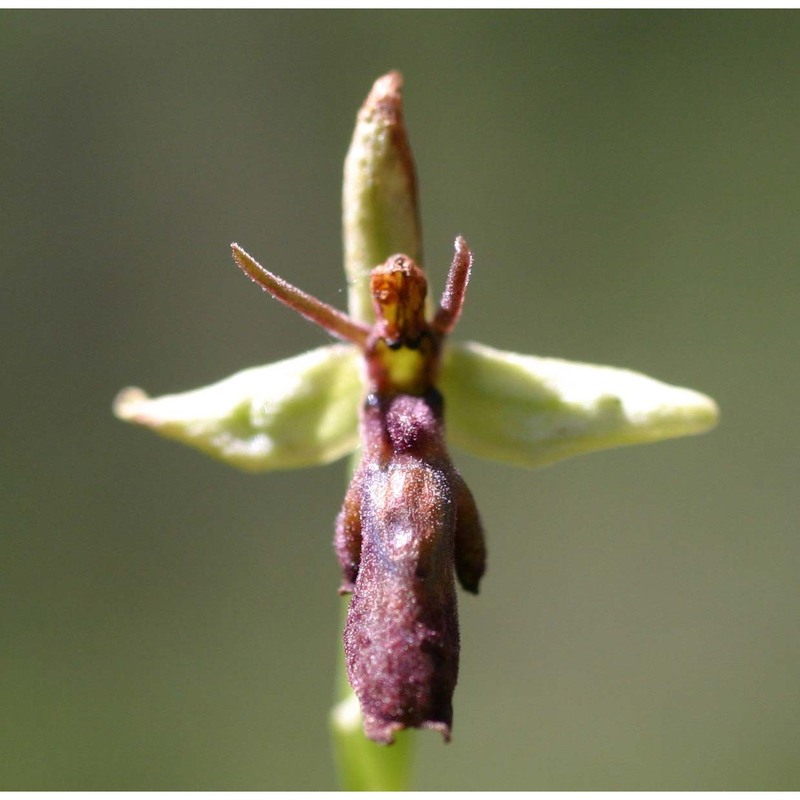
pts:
pixel 629 182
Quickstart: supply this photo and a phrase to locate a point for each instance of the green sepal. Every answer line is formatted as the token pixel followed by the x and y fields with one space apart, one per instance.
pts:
pixel 532 411
pixel 299 412
pixel 379 198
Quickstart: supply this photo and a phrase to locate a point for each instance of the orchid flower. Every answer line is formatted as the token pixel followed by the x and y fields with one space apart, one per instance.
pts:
pixel 522 409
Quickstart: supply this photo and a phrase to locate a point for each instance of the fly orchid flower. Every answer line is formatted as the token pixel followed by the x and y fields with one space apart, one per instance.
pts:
pixel 409 525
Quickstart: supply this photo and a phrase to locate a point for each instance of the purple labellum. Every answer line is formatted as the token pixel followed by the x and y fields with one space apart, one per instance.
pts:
pixel 401 638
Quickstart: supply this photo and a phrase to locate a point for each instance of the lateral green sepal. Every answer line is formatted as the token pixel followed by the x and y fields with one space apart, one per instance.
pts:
pixel 299 412
pixel 532 411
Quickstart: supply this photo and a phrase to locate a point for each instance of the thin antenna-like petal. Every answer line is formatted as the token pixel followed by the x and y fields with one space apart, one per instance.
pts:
pixel 455 289
pixel 331 319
